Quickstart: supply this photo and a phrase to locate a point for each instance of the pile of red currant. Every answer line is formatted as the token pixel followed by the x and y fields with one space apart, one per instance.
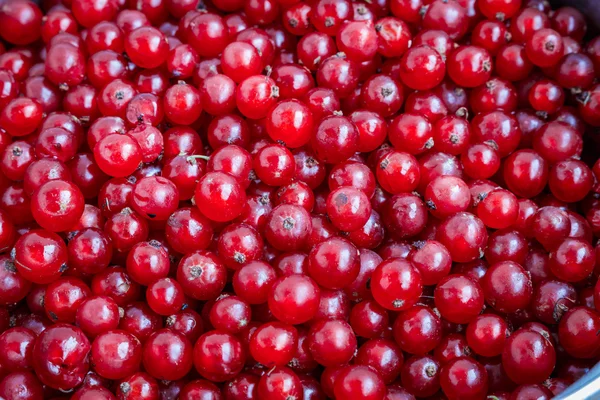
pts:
pixel 297 199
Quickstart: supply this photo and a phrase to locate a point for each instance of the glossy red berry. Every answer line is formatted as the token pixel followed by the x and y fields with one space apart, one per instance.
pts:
pixel 572 260
pixel 116 354
pixel 447 195
pixel 469 66
pixel 201 275
pixel 147 47
pixel 274 344
pixel 396 284
pixel 458 298
pixel 463 377
pixel 499 209
pixel 339 74
pixel 114 282
pixel 464 235
pixel 294 299
pixel 155 198
pixel 576 332
pixel 486 335
pixel 335 139
pixel 526 173
pixel 65 65
pixel 18 344
pixel 274 165
pixel 281 383
pixel 544 48
pixel 331 342
pixel 528 357
pixel 361 382
pixel 348 208
pixel 422 68
pixel 14 286
pixel 230 314
pixel 238 245
pixel 40 256
pixel 290 122
pixel 118 155
pixel 405 215
pixel 256 95
pixel 63 297
pixel 507 287
pixel 97 314
pixel 21 23
pixel 550 225
pixel 218 356
pixel 358 40
pixel 501 10
pixel 165 296
pixel 57 205
pixel 417 330
pixel 219 196
pixel 187 230
pixel 394 36
pixel 89 13
pixel 569 180
pixel 288 227
pixel 60 356
pixel 421 375
pixel 398 172
pixel 167 355
pixel 448 16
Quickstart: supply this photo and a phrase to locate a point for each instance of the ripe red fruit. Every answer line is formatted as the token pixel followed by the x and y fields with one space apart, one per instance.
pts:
pixel 118 155
pixel 256 95
pixel 116 354
pixel 422 68
pixel 331 342
pixel 65 65
pixel 359 382
pixel 201 275
pixel 218 356
pixel 348 208
pixel 417 330
pixel 21 116
pixel 294 299
pixel 334 263
pixel 21 22
pixel 463 377
pixel 281 383
pixel 544 48
pixel 219 196
pixel 507 287
pixel 358 40
pixel 247 189
pixel 577 332
pixel 57 205
pixel 469 66
pixel 335 140
pixel 290 122
pixel 396 284
pixel 486 335
pixel 55 368
pixel 528 357
pixel 572 260
pixel 167 355
pixel 147 47
pixel 40 256
pixel 458 298
pixel 464 235
pixel 274 343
